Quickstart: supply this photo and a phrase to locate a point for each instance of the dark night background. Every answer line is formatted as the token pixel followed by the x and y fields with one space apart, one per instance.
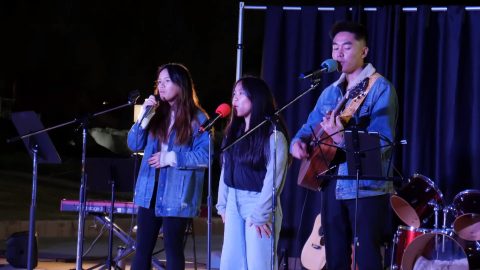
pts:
pixel 63 59
pixel 66 58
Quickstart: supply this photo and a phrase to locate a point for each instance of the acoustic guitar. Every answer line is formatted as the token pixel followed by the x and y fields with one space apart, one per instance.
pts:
pixel 320 145
pixel 313 253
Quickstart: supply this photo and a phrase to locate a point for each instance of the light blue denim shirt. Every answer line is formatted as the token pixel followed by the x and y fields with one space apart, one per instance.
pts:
pixel 381 107
pixel 180 188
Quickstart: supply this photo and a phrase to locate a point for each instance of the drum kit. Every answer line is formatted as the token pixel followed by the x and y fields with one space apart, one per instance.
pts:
pixel 425 243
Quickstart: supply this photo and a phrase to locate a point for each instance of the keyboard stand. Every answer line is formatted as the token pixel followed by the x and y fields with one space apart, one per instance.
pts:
pixel 126 239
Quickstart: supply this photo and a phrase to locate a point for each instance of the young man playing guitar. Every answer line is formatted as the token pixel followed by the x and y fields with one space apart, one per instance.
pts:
pixel 377 112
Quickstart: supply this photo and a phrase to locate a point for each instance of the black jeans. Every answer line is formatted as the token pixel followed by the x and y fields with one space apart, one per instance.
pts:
pixel 148 226
pixel 338 225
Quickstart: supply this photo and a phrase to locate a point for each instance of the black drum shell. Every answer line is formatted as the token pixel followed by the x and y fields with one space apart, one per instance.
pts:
pixel 414 203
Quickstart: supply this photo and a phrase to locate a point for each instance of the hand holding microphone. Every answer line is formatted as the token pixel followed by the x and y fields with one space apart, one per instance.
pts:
pixel 148 107
pixel 150 103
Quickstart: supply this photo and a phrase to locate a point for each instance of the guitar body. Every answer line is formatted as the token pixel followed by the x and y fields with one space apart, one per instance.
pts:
pixel 320 146
pixel 311 170
pixel 313 253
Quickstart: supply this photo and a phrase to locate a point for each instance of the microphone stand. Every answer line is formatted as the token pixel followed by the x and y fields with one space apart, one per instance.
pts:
pixel 356 146
pixel 272 119
pixel 33 205
pixel 209 203
pixel 274 191
pixel 358 171
pixel 208 129
pixel 83 179
pixel 83 182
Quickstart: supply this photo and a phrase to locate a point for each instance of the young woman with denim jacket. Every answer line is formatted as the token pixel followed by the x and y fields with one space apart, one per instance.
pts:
pixel 168 190
pixel 247 178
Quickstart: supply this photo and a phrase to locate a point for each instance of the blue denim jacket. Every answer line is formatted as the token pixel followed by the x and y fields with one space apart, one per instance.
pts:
pixel 381 107
pixel 180 188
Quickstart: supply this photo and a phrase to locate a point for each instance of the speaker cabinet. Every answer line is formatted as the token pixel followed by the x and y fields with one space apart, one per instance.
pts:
pixel 17 250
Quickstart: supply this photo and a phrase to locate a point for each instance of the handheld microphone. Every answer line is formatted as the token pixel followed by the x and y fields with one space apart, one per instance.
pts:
pixel 222 111
pixel 327 66
pixel 148 109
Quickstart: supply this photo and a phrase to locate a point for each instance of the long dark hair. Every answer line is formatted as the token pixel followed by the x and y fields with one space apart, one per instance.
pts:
pixel 255 148
pixel 186 106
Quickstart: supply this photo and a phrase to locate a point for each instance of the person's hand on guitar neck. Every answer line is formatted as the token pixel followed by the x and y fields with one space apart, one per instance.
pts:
pixel 333 126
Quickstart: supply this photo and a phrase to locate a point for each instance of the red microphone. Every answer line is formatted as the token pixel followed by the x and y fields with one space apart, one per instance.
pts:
pixel 222 111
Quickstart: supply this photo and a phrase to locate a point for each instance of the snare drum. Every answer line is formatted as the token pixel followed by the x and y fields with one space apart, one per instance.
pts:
pixel 402 238
pixel 441 250
pixel 414 203
pixel 466 206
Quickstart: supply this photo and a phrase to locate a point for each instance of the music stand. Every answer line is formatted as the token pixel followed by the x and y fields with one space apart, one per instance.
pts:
pixel 110 174
pixel 367 150
pixel 101 171
pixel 41 150
pixel 363 162
pixel 26 122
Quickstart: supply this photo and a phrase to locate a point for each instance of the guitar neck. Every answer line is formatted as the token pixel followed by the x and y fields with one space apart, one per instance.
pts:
pixel 335 111
pixel 340 105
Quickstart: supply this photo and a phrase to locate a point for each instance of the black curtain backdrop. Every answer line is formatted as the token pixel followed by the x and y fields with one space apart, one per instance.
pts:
pixel 432 58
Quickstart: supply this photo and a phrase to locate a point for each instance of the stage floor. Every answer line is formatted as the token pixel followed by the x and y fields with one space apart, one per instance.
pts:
pixel 59 252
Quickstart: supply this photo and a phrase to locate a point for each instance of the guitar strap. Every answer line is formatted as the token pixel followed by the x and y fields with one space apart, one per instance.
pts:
pixel 355 103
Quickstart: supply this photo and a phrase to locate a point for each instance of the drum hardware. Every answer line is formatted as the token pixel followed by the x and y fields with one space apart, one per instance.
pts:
pixel 444 225
pixel 445 213
pixel 436 210
pixel 436 213
pixel 393 265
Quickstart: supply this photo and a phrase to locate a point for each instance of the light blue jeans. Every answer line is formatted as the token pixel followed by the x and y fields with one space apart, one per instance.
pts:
pixel 242 247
